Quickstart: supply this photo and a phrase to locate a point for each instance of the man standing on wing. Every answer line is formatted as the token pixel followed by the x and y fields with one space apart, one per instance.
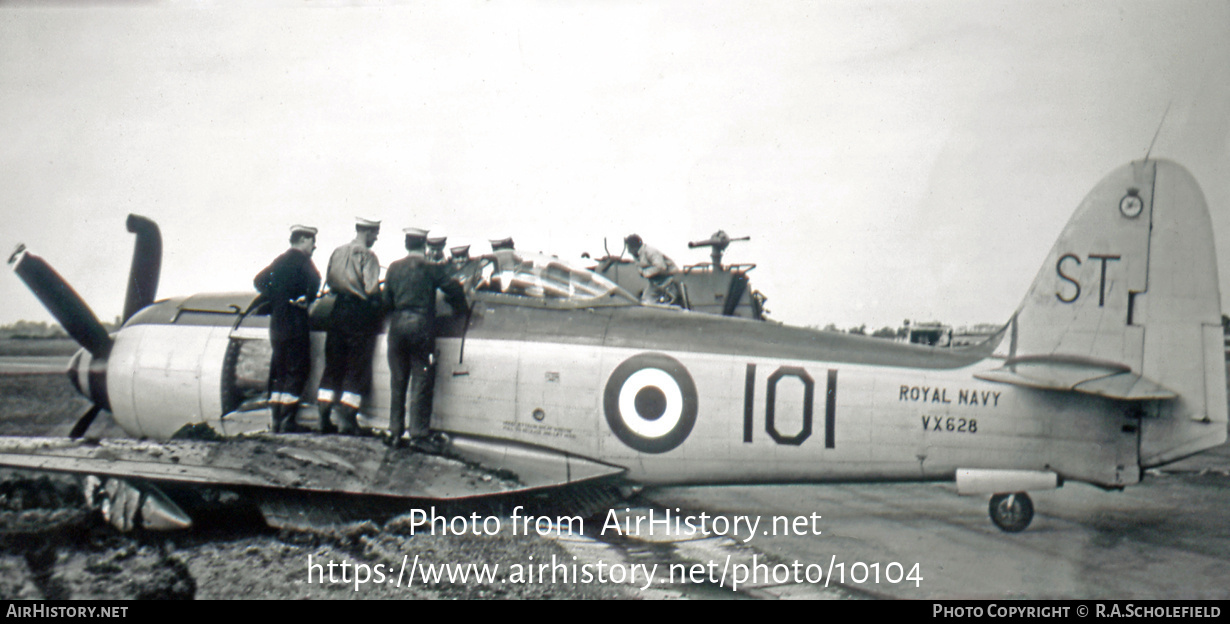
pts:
pixel 290 285
pixel 354 278
pixel 410 292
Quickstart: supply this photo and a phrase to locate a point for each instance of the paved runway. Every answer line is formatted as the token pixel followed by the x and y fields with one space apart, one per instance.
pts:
pixel 33 364
pixel 1168 537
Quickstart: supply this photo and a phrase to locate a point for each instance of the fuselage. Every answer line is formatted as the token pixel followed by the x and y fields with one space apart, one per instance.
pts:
pixel 672 396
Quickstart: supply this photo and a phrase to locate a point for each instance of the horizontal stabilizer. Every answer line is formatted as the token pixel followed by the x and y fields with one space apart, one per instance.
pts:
pixel 1077 374
pixel 311 463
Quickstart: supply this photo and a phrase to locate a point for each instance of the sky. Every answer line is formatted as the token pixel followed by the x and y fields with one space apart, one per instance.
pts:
pixel 889 160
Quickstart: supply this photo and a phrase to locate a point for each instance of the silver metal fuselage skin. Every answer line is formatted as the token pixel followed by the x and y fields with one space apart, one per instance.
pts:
pixel 897 411
pixel 538 375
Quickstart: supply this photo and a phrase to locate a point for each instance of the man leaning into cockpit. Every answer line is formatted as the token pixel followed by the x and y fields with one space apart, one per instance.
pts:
pixel 410 293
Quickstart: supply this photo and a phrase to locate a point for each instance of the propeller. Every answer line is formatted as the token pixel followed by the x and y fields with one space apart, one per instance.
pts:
pixel 85 420
pixel 88 369
pixel 146 265
pixel 62 301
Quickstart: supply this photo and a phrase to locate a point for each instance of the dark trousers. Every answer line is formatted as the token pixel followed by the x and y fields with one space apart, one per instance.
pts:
pixel 410 346
pixel 348 351
pixel 290 367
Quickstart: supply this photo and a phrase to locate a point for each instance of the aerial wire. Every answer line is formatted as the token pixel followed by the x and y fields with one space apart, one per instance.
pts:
pixel 1158 131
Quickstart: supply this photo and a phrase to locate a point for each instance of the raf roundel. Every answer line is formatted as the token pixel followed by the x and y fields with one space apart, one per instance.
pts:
pixel 650 402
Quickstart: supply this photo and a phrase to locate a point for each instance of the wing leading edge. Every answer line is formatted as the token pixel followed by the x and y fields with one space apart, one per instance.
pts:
pixel 312 464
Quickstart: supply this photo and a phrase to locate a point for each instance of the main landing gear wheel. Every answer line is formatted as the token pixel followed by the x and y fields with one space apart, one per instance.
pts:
pixel 1012 512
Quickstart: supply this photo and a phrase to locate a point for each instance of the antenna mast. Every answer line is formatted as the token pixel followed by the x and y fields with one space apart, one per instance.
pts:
pixel 1159 130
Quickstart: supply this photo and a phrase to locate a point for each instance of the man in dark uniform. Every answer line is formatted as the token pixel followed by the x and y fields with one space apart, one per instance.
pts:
pixel 436 241
pixel 410 292
pixel 505 253
pixel 465 269
pixel 290 285
pixel 354 278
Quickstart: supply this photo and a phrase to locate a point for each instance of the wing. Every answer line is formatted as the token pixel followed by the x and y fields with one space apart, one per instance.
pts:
pixel 313 463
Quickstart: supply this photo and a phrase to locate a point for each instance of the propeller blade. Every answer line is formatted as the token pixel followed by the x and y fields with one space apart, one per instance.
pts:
pixel 62 301
pixel 146 265
pixel 84 421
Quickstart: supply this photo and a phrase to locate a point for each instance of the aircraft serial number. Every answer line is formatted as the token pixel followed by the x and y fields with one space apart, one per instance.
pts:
pixel 950 424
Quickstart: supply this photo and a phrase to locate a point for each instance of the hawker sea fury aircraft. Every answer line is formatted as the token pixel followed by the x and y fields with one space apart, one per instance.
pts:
pixel 1112 364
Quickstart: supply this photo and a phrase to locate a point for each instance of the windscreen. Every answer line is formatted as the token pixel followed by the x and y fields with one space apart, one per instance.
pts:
pixel 543 277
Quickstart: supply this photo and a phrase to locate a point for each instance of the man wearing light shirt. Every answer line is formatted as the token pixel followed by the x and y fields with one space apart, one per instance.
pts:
pixel 354 278
pixel 658 269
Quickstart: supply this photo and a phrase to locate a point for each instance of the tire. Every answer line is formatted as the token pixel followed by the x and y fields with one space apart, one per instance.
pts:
pixel 1011 512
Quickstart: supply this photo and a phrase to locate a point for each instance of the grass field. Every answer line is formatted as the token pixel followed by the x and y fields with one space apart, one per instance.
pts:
pixel 44 404
pixel 38 404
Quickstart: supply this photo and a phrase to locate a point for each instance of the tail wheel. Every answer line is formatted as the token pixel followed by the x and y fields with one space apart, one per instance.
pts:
pixel 1012 512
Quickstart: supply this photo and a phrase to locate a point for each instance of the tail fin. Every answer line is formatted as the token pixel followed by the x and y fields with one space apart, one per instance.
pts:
pixel 1127 305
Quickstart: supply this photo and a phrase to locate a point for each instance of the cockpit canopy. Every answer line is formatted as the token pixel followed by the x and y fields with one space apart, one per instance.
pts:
pixel 547 279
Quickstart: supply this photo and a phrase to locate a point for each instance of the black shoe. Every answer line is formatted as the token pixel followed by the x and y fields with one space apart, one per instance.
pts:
pixel 347 423
pixel 432 443
pixel 396 442
pixel 277 417
pixel 326 424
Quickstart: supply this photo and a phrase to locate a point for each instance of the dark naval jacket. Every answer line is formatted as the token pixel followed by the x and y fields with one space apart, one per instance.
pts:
pixel 291 276
pixel 411 282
